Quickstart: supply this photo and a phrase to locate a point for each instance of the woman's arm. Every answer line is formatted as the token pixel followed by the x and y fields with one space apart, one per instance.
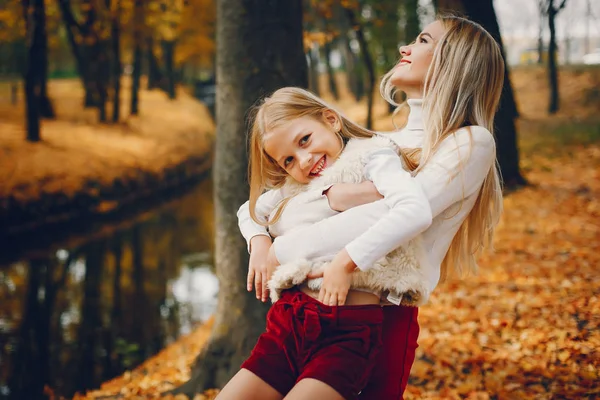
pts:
pixel 471 151
pixel 409 212
pixel 344 196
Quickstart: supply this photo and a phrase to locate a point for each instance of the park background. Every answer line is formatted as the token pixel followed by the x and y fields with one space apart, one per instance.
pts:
pixel 110 120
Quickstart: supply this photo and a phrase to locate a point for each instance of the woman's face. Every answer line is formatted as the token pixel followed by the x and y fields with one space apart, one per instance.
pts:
pixel 409 74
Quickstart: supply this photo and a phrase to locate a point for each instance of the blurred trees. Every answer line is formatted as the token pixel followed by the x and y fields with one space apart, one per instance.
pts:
pixel 551 10
pixel 105 38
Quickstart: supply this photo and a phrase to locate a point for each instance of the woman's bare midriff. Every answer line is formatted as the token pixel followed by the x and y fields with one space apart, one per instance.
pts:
pixel 354 297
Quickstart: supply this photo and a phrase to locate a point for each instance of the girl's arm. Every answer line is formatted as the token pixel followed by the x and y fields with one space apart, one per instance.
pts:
pixel 265 204
pixel 455 171
pixel 258 240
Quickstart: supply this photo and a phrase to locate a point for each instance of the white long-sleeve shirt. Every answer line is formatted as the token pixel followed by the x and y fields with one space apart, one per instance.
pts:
pixel 451 180
pixel 407 210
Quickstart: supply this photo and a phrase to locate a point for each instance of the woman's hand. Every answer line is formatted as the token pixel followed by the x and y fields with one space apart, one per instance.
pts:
pixel 258 271
pixel 343 196
pixel 337 277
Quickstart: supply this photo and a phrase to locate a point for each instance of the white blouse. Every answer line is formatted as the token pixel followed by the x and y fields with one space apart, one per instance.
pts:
pixel 406 211
pixel 450 182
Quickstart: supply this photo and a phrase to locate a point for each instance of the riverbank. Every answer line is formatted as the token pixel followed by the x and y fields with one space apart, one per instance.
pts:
pixel 82 168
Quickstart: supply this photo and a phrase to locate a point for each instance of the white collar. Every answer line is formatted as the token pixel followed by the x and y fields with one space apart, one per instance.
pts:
pixel 415 116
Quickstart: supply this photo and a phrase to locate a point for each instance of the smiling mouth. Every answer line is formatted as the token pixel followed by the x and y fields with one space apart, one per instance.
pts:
pixel 404 62
pixel 318 167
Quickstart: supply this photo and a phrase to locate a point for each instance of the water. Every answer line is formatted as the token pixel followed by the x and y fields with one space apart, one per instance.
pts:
pixel 82 311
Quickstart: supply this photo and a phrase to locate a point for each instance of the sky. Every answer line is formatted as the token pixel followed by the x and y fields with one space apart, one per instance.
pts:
pixel 521 17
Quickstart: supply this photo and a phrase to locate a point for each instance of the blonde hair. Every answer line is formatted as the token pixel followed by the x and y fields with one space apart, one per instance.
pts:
pixel 283 106
pixel 462 88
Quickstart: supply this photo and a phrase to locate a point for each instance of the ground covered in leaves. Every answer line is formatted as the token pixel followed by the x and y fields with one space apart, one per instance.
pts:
pixel 78 154
pixel 526 327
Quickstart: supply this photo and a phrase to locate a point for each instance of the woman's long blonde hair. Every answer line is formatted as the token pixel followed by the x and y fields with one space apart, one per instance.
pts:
pixel 283 106
pixel 462 88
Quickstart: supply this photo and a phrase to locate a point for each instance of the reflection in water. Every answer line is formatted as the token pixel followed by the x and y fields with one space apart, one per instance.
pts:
pixel 75 317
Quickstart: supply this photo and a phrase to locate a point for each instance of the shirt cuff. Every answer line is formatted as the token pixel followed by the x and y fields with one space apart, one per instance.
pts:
pixel 253 236
pixel 362 263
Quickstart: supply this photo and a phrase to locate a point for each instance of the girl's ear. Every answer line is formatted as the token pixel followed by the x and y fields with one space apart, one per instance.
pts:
pixel 332 119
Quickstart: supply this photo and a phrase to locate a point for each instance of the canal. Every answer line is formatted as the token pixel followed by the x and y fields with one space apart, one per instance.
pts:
pixel 82 310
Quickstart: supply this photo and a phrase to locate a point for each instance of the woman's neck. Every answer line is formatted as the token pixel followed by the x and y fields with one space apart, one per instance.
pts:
pixel 415 116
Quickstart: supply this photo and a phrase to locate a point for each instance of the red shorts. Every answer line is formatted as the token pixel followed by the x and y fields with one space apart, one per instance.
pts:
pixel 390 375
pixel 307 339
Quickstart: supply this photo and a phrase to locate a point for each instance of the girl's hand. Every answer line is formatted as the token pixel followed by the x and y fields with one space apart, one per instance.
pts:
pixel 337 277
pixel 343 196
pixel 257 267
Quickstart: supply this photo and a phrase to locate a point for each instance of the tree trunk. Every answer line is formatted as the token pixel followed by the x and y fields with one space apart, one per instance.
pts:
pixel 102 73
pixel 46 109
pixel 352 70
pixel 483 13
pixel 540 41
pixel 116 62
pixel 552 68
pixel 81 52
pixel 14 90
pixel 154 74
pixel 413 24
pixel 313 72
pixel 33 73
pixel 259 49
pixel 137 56
pixel 367 61
pixel 168 56
pixel 330 72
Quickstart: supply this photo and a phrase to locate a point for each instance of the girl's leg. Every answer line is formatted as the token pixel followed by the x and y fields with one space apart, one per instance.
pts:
pixel 399 336
pixel 246 385
pixel 312 389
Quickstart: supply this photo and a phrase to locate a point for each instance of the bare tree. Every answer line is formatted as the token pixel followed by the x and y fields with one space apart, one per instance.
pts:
pixel 543 15
pixel 33 13
pixel 138 21
pixel 116 62
pixel 552 12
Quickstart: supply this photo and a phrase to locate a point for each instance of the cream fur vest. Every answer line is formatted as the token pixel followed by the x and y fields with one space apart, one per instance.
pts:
pixel 397 276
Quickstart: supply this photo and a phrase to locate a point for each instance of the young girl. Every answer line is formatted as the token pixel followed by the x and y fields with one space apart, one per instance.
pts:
pixel 300 145
pixel 453 76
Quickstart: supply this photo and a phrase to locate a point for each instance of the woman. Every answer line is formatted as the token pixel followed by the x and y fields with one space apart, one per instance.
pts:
pixel 453 76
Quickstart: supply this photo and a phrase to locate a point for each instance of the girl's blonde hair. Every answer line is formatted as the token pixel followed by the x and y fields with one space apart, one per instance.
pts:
pixel 462 88
pixel 284 106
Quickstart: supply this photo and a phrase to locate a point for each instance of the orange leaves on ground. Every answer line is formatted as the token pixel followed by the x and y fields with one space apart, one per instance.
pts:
pixel 527 326
pixel 77 154
pixel 163 372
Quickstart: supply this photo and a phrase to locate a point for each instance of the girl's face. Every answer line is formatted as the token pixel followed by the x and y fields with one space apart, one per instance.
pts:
pixel 409 74
pixel 305 146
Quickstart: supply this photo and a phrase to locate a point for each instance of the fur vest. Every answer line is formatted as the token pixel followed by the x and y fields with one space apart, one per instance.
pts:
pixel 398 276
